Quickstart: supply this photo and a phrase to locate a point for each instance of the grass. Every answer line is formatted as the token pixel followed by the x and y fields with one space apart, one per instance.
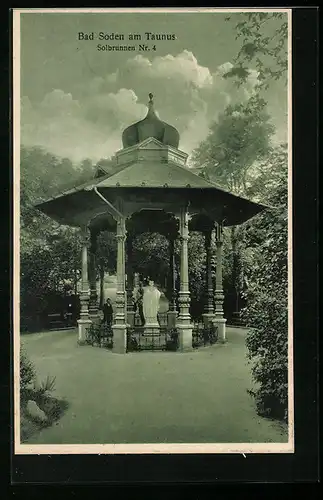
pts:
pixel 150 396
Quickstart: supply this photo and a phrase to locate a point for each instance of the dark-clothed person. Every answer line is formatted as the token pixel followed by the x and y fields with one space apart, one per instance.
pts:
pixel 139 303
pixel 107 313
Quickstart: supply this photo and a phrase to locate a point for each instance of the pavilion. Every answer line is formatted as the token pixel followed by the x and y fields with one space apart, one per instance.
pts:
pixel 150 190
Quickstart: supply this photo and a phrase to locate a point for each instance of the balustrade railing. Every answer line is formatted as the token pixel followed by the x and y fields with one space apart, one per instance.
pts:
pixel 204 335
pixel 100 335
pixel 163 340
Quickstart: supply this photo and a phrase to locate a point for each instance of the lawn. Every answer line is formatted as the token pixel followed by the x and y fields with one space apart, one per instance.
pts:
pixel 150 397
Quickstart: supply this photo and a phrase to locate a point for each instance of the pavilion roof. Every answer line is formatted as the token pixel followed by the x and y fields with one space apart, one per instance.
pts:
pixel 155 175
pixel 155 180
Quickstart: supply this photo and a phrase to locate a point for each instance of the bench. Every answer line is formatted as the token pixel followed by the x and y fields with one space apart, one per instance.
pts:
pixel 57 321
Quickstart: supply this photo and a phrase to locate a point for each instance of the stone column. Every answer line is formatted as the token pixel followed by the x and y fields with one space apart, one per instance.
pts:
pixel 184 326
pixel 120 326
pixel 93 303
pixel 172 312
pixel 84 322
pixel 208 314
pixel 130 282
pixel 218 294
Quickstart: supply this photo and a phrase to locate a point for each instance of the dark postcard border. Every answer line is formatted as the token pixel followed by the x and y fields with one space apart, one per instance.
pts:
pixel 303 465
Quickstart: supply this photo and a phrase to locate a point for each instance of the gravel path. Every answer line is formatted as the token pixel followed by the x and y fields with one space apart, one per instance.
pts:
pixel 150 397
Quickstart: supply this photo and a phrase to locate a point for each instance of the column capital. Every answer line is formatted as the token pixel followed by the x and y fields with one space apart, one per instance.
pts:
pixel 207 238
pixel 183 225
pixel 184 237
pixel 86 236
pixel 218 232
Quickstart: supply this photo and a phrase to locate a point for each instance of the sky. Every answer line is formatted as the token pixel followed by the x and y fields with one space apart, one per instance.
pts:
pixel 76 99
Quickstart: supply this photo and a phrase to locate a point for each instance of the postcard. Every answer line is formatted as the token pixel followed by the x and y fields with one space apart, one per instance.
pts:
pixel 152 228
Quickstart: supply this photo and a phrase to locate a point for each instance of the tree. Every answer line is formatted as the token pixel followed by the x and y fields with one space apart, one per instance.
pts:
pixel 267 296
pixel 66 245
pixel 231 156
pixel 263 38
pixel 239 138
pixel 151 256
pixel 50 256
pixel 197 273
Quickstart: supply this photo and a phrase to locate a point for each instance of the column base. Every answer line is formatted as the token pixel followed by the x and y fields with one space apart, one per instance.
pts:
pixel 83 325
pixel 221 324
pixel 185 334
pixel 207 318
pixel 94 316
pixel 171 319
pixel 119 339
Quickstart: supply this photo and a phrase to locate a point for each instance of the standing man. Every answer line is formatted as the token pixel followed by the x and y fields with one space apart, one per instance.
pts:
pixel 107 312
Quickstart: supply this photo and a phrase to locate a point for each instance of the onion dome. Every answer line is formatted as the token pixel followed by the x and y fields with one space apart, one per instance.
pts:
pixel 150 126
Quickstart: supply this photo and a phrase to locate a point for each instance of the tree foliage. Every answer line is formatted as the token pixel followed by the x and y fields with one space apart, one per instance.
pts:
pixel 239 156
pixel 50 255
pixel 197 273
pixel 237 139
pixel 107 251
pixel 234 156
pixel 267 296
pixel 263 37
pixel 151 256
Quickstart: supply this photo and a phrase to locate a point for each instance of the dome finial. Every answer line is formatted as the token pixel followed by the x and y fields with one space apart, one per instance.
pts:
pixel 150 126
pixel 151 111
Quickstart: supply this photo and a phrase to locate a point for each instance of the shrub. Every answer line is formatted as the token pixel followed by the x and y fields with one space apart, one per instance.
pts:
pixel 41 394
pixel 27 373
pixel 46 386
pixel 267 311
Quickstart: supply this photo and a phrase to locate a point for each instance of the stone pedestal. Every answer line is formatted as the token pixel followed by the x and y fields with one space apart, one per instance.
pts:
pixel 221 324
pixel 119 339
pixel 185 334
pixel 83 325
pixel 208 318
pixel 95 318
